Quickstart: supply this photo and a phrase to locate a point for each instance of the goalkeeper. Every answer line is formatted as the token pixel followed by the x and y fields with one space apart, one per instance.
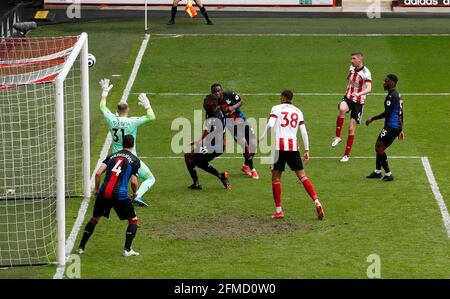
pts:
pixel 121 125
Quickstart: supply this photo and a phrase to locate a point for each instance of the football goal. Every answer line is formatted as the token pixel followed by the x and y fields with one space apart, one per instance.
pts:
pixel 44 144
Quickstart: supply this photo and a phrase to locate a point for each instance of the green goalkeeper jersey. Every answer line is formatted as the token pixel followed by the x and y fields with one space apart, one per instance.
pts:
pixel 121 126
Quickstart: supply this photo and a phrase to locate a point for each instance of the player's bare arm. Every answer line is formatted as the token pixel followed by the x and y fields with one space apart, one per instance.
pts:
pixel 236 106
pixel 269 126
pixel 366 91
pixel 98 175
pixel 305 139
pixel 134 186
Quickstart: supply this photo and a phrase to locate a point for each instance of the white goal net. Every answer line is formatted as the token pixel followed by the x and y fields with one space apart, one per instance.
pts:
pixel 44 144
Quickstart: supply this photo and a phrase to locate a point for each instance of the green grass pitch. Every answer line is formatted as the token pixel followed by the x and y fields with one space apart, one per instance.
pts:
pixel 217 234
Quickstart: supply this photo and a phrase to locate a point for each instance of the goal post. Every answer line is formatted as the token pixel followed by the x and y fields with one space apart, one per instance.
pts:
pixel 44 128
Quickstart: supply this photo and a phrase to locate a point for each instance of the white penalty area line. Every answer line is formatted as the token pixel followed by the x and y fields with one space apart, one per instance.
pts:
pixel 59 274
pixel 173 94
pixel 174 35
pixel 425 162
pixel 437 194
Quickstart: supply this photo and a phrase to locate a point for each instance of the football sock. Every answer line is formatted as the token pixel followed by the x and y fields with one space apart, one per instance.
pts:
pixel 145 185
pixel 193 173
pixel 211 170
pixel 384 163
pixel 276 190
pixel 204 13
pixel 249 162
pixel 174 12
pixel 88 231
pixel 388 173
pixel 309 188
pixel 339 124
pixel 378 164
pixel 130 234
pixel 350 140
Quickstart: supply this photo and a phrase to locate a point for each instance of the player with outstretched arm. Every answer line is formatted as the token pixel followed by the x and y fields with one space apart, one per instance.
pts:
pixel 120 125
pixel 210 146
pixel 393 127
pixel 287 119
pixel 120 168
pixel 359 85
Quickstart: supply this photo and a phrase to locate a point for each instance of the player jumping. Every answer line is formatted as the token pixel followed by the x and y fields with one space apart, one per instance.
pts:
pixel 359 85
pixel 236 123
pixel 210 146
pixel 120 125
pixel 393 124
pixel 120 168
pixel 287 119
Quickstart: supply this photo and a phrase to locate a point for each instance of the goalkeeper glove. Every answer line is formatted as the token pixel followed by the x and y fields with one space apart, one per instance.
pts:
pixel 143 101
pixel 104 84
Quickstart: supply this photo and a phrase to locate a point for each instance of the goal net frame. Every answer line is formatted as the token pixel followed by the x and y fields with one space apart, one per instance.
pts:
pixel 75 63
pixel 80 49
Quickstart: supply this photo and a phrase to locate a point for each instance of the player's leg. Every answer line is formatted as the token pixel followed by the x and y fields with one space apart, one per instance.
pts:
pixel 202 161
pixel 295 163
pixel 125 210
pixel 350 140
pixel 249 154
pixel 276 192
pixel 144 174
pixel 387 136
pixel 174 11
pixel 379 147
pixel 278 167
pixel 88 231
pixel 101 208
pixel 129 237
pixel 203 11
pixel 189 159
pixel 343 109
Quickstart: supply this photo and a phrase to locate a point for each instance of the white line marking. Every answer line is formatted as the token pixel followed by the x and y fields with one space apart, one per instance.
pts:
pixel 302 34
pixel 264 157
pixel 137 64
pixel 172 94
pixel 437 194
pixel 59 274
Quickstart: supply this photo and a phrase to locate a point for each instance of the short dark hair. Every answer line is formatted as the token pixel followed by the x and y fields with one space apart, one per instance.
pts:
pixel 358 54
pixel 210 100
pixel 214 85
pixel 393 77
pixel 128 141
pixel 287 94
pixel 122 107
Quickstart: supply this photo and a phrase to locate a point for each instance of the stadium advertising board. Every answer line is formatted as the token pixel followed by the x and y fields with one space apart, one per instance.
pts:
pixel 424 3
pixel 206 2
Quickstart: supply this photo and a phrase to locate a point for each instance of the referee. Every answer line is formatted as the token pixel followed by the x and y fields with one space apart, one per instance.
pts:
pixel 393 127
pixel 199 4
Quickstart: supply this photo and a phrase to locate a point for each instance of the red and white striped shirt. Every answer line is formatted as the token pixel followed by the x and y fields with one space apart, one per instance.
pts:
pixel 288 119
pixel 357 82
